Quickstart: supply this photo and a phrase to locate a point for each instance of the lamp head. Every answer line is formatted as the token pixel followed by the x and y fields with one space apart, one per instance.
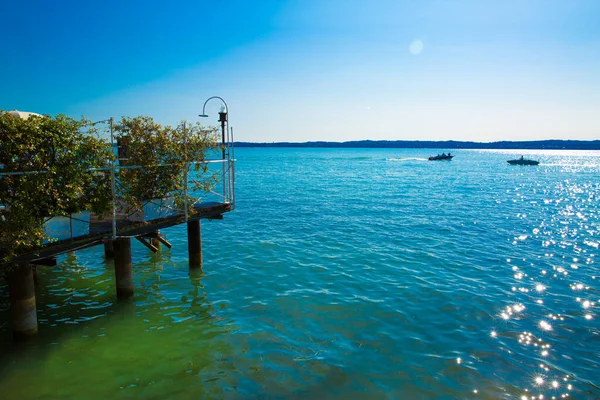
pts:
pixel 222 114
pixel 203 115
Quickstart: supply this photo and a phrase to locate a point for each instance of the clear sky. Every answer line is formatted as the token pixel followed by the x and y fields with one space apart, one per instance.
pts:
pixel 299 70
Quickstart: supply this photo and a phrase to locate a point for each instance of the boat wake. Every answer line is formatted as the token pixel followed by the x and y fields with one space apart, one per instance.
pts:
pixel 406 159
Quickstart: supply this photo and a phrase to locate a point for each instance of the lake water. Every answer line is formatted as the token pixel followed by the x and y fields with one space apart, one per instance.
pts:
pixel 343 274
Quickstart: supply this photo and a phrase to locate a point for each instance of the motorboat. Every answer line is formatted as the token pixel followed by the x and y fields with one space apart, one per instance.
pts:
pixel 441 157
pixel 523 161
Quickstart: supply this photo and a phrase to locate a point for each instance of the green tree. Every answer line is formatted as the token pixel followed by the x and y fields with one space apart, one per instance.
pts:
pixel 46 165
pixel 157 155
pixel 58 166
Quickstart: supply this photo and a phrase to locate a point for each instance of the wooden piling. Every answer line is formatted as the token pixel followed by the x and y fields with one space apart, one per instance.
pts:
pixel 194 244
pixel 109 249
pixel 123 268
pixel 22 302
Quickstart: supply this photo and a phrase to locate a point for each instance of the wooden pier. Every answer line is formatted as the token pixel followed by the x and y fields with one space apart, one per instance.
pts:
pixel 144 224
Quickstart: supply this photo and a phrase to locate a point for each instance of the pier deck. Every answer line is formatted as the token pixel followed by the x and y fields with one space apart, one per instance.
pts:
pixel 101 230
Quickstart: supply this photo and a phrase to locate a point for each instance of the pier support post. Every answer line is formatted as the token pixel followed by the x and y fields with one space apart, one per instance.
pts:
pixel 22 302
pixel 123 268
pixel 194 243
pixel 109 249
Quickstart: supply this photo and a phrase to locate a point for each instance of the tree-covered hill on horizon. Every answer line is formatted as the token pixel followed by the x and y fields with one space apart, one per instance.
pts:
pixel 448 144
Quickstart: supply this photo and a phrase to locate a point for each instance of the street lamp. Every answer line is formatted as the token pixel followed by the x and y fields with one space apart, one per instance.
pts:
pixel 223 120
pixel 207 100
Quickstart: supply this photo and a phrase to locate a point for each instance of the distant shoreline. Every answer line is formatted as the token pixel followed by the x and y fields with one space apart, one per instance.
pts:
pixel 449 144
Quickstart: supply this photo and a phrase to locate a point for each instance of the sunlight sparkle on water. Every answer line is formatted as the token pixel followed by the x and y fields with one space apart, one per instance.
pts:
pixel 545 325
pixel 519 275
pixel 539 380
pixel 518 308
pixel 586 304
pixel 540 288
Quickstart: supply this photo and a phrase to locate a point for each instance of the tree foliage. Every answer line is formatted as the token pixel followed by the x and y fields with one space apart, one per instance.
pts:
pixel 46 164
pixel 157 155
pixel 59 166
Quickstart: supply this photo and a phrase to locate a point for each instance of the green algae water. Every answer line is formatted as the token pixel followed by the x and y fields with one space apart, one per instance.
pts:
pixel 342 274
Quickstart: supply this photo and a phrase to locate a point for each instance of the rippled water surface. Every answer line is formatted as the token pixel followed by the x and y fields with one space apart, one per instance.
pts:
pixel 350 274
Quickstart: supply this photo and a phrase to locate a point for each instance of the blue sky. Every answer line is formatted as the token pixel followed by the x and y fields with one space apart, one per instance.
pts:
pixel 301 70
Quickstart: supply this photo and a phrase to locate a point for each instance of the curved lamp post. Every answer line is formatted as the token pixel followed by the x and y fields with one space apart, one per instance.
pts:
pixel 223 120
pixel 204 115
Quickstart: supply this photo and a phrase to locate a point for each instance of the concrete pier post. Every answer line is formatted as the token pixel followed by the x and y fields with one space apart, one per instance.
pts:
pixel 123 268
pixel 109 249
pixel 22 302
pixel 194 243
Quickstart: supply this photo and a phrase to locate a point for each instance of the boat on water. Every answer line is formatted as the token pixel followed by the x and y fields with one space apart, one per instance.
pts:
pixel 444 156
pixel 523 161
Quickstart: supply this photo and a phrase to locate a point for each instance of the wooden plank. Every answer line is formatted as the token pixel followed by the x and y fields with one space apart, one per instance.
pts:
pixel 160 237
pixel 47 262
pixel 164 241
pixel 147 244
pixel 58 249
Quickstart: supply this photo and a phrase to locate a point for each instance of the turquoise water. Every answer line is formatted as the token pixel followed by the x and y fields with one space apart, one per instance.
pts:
pixel 343 273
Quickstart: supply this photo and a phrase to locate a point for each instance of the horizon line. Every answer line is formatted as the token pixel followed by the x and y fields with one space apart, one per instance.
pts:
pixel 552 144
